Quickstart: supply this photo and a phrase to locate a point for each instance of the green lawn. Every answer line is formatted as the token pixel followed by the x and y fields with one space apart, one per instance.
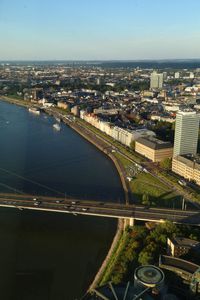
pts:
pixel 125 162
pixel 159 194
pixel 131 154
pixel 15 96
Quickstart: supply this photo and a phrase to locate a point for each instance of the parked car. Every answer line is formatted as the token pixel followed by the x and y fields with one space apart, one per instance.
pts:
pixel 182 182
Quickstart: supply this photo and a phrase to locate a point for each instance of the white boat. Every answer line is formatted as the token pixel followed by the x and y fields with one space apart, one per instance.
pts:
pixel 34 110
pixel 56 126
pixel 58 119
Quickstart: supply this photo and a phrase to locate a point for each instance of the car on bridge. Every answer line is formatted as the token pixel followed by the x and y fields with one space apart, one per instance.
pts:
pixel 72 207
pixel 37 203
pixel 59 201
pixel 74 202
pixel 66 206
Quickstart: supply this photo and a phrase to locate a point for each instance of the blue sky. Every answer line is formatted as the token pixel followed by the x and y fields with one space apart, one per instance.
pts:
pixel 99 29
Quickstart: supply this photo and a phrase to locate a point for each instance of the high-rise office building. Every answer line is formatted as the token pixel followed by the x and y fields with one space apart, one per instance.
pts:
pixel 164 75
pixel 176 75
pixel 156 81
pixel 186 133
pixel 191 75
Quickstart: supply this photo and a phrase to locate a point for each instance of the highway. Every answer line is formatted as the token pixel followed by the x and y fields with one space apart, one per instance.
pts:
pixel 100 209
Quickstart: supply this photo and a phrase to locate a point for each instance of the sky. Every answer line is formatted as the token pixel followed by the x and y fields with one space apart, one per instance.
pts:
pixel 99 29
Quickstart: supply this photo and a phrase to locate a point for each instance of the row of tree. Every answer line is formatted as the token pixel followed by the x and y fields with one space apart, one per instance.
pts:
pixel 138 246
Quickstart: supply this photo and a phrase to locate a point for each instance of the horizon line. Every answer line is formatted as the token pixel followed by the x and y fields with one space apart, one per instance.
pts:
pixel 102 60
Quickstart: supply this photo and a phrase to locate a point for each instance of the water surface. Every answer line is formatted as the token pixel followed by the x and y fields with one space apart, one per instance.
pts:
pixel 51 255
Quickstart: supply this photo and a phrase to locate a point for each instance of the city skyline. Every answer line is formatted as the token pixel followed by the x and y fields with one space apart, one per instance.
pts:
pixel 99 30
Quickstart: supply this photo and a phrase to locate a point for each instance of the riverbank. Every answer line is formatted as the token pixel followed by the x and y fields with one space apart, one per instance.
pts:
pixel 102 146
pixel 106 261
pixel 16 101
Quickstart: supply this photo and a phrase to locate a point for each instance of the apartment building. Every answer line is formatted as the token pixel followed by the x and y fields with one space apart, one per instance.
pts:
pixel 187 167
pixel 179 246
pixel 154 149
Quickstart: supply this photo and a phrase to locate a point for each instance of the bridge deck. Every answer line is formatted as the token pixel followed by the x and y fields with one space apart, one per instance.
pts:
pixel 96 208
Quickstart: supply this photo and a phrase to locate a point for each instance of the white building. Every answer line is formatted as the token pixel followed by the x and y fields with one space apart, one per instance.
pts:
pixel 171 108
pixel 124 136
pixel 156 81
pixel 176 75
pixel 105 127
pixel 186 133
pixel 191 75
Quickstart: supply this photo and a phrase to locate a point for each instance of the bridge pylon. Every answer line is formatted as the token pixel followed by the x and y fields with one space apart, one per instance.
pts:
pixel 129 222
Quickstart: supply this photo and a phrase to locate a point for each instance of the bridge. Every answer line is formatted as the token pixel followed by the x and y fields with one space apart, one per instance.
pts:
pixel 100 209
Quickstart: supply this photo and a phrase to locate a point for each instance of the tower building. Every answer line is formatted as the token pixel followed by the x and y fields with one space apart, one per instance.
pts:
pixel 186 133
pixel 156 81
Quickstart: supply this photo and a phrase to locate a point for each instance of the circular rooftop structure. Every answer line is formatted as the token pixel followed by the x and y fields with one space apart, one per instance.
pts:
pixel 149 276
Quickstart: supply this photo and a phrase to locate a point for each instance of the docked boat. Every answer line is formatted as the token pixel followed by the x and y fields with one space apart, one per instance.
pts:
pixel 56 126
pixel 58 119
pixel 34 110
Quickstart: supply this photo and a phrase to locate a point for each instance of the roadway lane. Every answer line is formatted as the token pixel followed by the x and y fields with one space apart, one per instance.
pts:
pixel 113 210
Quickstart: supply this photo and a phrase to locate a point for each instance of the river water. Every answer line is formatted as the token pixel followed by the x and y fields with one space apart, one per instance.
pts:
pixel 51 255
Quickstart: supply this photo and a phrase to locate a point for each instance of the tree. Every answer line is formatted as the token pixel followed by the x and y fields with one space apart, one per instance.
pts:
pixel 145 258
pixel 166 164
pixel 132 145
pixel 139 233
pixel 145 199
pixel 162 232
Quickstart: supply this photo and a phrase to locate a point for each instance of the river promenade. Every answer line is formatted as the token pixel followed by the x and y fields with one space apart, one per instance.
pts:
pixel 15 101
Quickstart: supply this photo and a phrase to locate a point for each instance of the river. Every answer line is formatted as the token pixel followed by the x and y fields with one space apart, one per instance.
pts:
pixel 50 255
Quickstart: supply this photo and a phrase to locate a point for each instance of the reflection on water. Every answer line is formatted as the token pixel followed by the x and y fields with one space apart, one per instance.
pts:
pixel 48 255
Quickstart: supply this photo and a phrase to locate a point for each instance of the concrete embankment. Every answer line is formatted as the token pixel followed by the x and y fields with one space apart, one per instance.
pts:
pixel 16 101
pixel 106 260
pixel 89 136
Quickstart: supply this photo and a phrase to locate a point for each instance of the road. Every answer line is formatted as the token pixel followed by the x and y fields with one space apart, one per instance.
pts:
pixel 101 209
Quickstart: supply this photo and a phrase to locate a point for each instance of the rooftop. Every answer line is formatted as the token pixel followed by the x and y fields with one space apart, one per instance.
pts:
pixel 189 160
pixel 187 113
pixel 154 143
pixel 184 242
pixel 178 263
pixel 149 274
